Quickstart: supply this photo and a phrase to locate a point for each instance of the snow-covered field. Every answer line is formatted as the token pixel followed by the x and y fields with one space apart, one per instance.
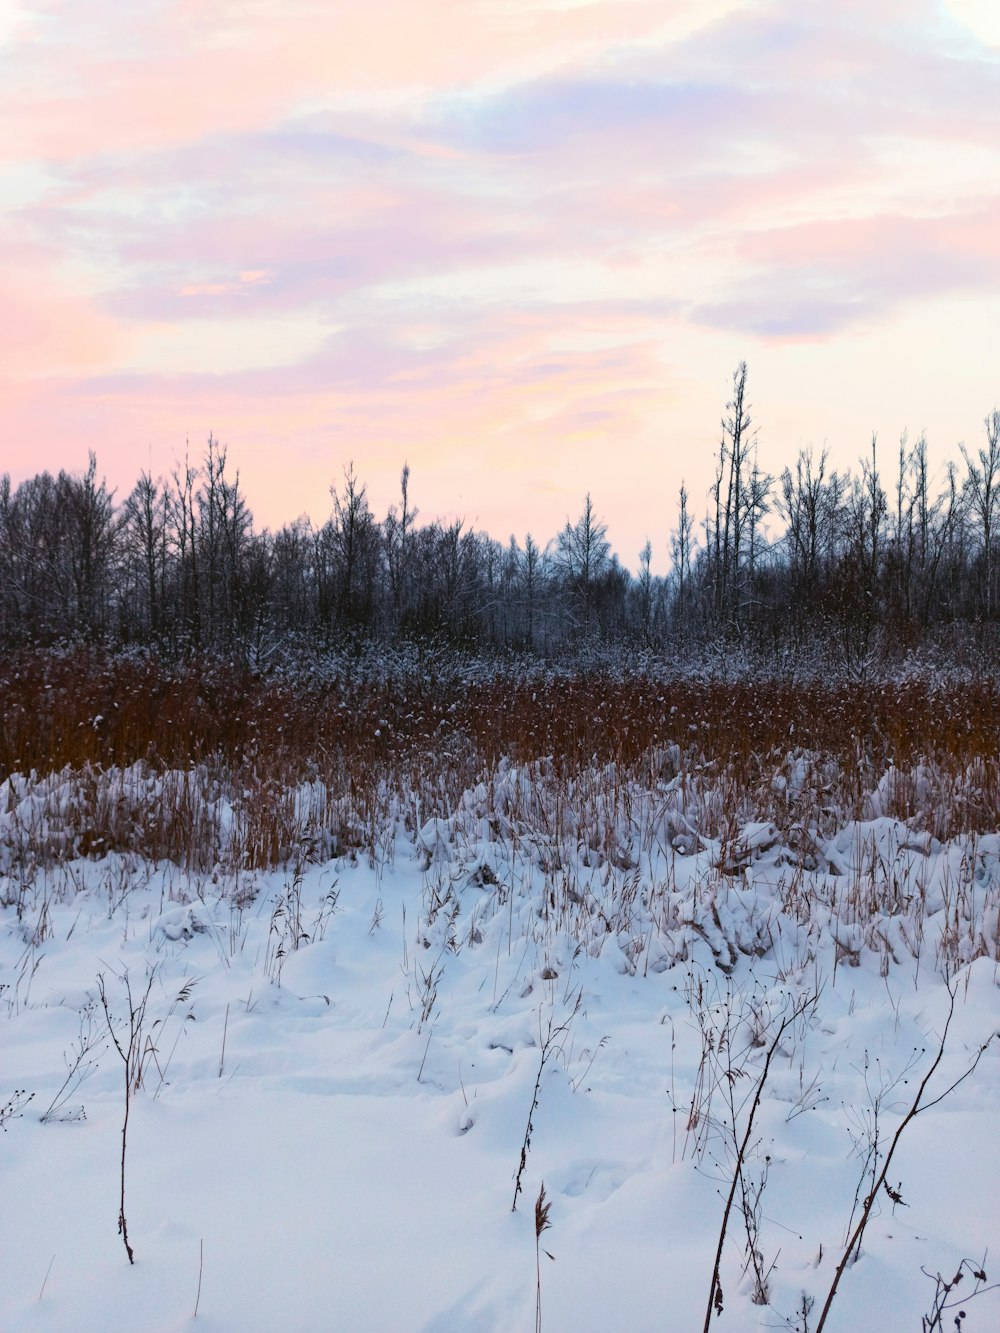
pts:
pixel 344 1069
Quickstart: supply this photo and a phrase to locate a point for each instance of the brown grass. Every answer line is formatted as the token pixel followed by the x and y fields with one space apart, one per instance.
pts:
pixel 417 743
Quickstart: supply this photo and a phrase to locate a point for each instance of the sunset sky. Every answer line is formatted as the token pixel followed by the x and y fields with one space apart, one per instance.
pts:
pixel 520 244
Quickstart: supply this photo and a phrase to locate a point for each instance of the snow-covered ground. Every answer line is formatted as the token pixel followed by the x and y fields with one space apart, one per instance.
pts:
pixel 339 1063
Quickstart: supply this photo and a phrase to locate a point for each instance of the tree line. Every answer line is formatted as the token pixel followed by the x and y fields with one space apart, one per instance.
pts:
pixel 869 561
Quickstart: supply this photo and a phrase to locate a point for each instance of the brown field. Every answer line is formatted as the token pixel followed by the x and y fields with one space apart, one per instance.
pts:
pixel 418 741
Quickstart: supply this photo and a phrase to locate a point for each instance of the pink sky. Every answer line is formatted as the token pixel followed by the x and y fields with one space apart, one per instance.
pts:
pixel 520 244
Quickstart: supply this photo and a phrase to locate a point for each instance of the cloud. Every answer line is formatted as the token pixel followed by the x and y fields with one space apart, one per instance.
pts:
pixel 49 325
pixel 820 278
pixel 159 74
pixel 450 229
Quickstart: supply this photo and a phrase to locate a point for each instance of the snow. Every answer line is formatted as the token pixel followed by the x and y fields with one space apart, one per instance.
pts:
pixel 339 1062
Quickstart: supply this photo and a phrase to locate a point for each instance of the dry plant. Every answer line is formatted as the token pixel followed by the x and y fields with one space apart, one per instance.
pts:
pixel 745 1194
pixel 932 1322
pixel 13 1107
pixel 79 1067
pixel 18 997
pixel 287 932
pixel 128 1036
pixel 543 1207
pixel 550 1042
pixel 146 751
pixel 879 1175
pixel 605 784
pixel 867 1137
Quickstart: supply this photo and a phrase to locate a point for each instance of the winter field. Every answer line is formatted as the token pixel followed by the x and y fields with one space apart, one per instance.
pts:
pixel 307 987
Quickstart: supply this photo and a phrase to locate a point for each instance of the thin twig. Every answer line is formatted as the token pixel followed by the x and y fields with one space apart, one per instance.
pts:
pixel 201 1265
pixel 225 1029
pixel 715 1289
pixel 854 1243
pixel 46 1278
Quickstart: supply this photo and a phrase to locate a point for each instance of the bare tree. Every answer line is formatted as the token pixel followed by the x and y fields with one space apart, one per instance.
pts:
pixel 645 588
pixel 983 488
pixel 530 581
pixel 184 534
pixel 810 505
pixel 740 495
pixel 681 550
pixel 144 542
pixel 88 533
pixel 859 579
pixel 352 536
pixel 397 537
pixel 582 551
